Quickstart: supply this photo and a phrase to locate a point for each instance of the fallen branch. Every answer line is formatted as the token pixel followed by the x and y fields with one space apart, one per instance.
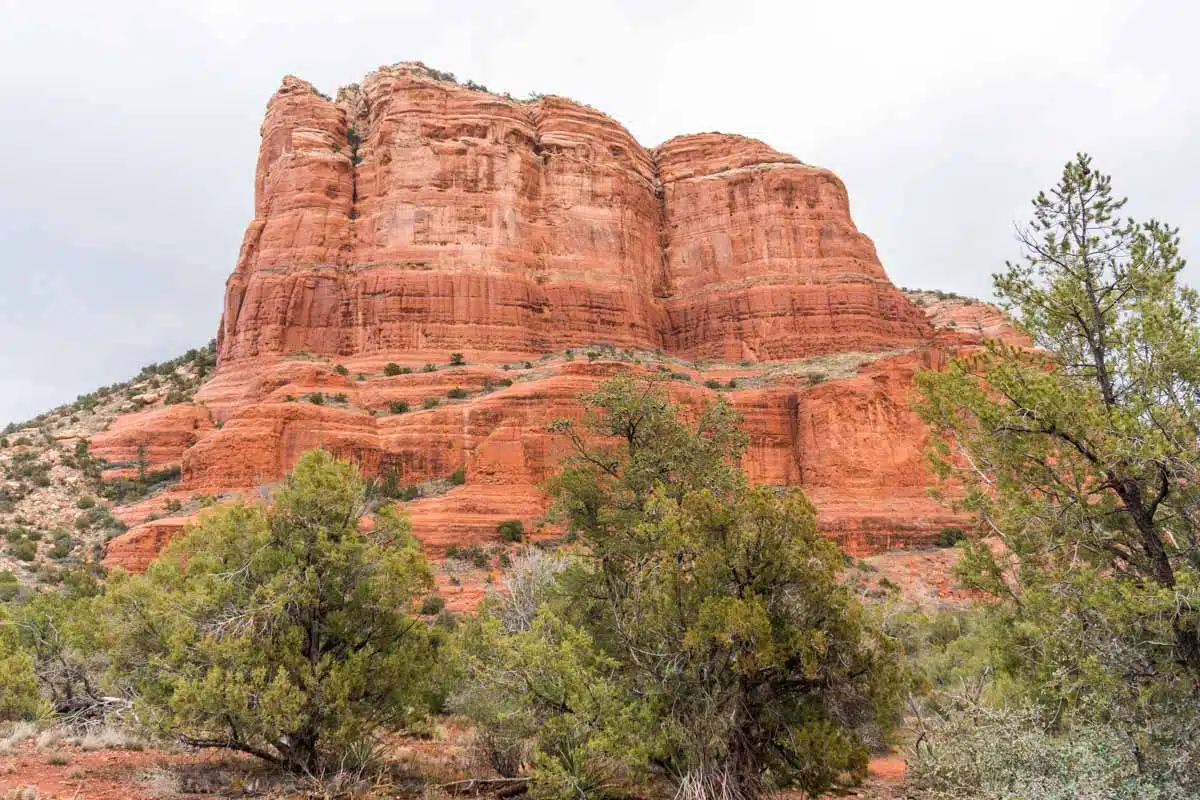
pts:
pixel 501 787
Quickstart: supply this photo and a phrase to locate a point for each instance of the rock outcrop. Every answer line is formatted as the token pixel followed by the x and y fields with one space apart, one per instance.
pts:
pixel 413 218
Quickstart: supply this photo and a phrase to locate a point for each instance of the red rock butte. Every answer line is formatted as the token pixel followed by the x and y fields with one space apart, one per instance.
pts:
pixel 413 217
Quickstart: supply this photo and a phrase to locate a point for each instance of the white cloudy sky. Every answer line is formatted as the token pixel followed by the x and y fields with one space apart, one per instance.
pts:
pixel 130 129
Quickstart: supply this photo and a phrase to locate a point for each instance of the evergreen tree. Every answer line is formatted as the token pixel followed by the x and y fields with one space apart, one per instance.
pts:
pixel 279 631
pixel 1081 456
pixel 698 639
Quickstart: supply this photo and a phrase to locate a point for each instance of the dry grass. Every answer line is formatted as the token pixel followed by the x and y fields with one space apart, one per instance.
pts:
pixel 19 732
pixel 109 738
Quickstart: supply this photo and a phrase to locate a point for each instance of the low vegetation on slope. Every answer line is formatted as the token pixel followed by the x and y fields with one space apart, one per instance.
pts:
pixel 55 505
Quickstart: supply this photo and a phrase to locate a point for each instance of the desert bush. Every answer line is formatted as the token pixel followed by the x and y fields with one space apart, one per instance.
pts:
pixel 948 537
pixel 341 370
pixel 457 360
pixel 392 369
pixel 704 647
pixel 316 398
pixel 432 605
pixel 398 406
pixel 458 477
pixel 277 631
pixel 511 530
pixel 457 393
pixel 430 402
pixel 712 383
pixel 974 752
pixel 19 697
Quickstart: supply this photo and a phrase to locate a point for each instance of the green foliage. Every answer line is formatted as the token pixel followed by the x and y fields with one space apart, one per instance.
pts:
pixel 948 537
pixel 316 398
pixel 458 477
pixel 341 370
pixel 430 402
pixel 511 530
pixel 432 605
pixel 392 369
pixel 474 555
pixel 429 368
pixel 681 376
pixel 9 587
pixel 457 393
pixel 127 490
pixel 280 631
pixel 1080 456
pixel 19 697
pixel 732 384
pixel 699 644
pixel 398 406
pixel 23 550
pixel 457 360
pixel 712 383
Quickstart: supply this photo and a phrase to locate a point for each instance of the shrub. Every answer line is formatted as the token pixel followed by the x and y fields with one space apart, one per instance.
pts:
pixel 457 393
pixel 511 530
pixel 430 402
pixel 85 502
pixel 316 398
pixel 173 506
pixel 301 657
pixel 680 376
pixel 432 605
pixel 950 537
pixel 24 550
pixel 392 369
pixel 341 397
pixel 62 548
pixel 458 477
pixel 712 383
pixel 429 368
pixel 528 365
pixel 341 370
pixel 457 360
pixel 474 554
pixel 398 407
pixel 18 683
pixel 702 621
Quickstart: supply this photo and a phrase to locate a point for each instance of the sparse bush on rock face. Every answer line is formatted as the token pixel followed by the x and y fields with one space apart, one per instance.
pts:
pixel 279 631
pixel 511 530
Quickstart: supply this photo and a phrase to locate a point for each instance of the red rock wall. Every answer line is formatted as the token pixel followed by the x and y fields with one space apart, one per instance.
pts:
pixel 412 218
pixel 466 221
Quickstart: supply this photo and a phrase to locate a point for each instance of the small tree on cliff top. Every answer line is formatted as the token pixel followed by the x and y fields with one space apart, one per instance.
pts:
pixel 1084 457
pixel 699 642
pixel 282 632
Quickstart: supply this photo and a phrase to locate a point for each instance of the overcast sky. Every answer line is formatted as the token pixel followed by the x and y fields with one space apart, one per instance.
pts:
pixel 130 130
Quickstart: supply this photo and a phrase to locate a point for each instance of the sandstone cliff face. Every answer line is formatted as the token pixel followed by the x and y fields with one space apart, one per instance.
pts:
pixel 412 218
pixel 417 216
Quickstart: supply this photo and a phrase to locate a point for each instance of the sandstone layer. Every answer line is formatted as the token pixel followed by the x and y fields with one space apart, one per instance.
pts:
pixel 413 218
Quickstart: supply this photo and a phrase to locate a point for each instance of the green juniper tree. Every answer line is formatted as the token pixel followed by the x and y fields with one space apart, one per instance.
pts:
pixel 1082 456
pixel 697 642
pixel 279 631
